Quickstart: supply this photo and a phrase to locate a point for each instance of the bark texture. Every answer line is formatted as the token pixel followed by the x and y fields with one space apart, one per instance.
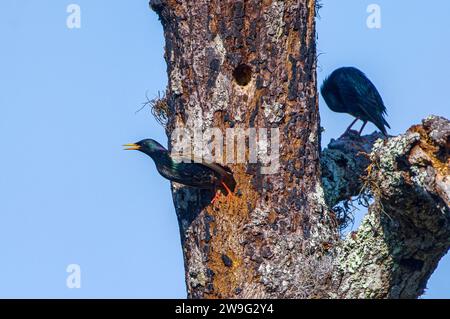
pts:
pixel 241 64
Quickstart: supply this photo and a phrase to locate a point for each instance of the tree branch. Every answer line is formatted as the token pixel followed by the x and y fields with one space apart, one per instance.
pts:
pixel 407 229
pixel 343 162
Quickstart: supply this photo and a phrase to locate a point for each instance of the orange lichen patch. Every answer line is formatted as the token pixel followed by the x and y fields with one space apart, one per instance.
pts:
pixel 226 278
pixel 213 26
pixel 293 44
pixel 256 97
pixel 327 246
pixel 430 150
pixel 369 169
pixel 296 221
pixel 272 217
pixel 230 215
pixel 218 118
pixel 297 163
pixel 172 4
pixel 310 30
pixel 179 121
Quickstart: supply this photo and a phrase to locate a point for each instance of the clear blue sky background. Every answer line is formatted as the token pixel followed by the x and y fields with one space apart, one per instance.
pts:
pixel 69 194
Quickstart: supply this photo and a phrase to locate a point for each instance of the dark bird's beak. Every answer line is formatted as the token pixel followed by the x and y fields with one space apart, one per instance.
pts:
pixel 132 147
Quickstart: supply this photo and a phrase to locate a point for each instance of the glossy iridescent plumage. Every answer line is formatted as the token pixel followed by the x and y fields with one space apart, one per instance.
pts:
pixel 199 175
pixel 348 90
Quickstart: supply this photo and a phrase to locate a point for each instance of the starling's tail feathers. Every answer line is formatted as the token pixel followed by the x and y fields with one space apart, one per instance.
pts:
pixel 381 126
pixel 226 176
pixel 228 179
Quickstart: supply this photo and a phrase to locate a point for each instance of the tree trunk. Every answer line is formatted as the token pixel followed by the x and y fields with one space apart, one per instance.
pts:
pixel 252 64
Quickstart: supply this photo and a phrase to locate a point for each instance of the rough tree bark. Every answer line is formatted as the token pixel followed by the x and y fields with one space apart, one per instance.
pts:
pixel 241 64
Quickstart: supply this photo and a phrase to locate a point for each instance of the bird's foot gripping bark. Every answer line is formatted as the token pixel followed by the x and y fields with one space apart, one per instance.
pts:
pixel 407 228
pixel 216 197
pixel 218 193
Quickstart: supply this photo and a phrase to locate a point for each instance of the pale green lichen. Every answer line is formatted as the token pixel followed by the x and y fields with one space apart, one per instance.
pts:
pixel 222 86
pixel 274 20
pixel 274 113
pixel 386 154
pixel 431 117
pixel 374 282
pixel 356 251
pixel 176 81
pixel 319 196
pixel 419 176
pixel 221 95
pixel 321 221
pixel 312 138
pixel 334 181
pixel 197 270
pixel 219 48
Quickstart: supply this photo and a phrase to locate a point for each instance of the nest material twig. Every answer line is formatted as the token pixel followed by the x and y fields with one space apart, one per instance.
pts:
pixel 345 211
pixel 158 107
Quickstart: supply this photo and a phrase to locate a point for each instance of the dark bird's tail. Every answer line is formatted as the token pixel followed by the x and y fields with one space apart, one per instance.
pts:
pixel 228 179
pixel 381 125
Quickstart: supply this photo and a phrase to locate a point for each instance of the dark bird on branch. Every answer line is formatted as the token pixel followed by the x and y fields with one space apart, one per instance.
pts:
pixel 210 176
pixel 348 90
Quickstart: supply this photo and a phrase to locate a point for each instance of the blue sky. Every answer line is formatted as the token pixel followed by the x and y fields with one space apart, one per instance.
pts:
pixel 70 195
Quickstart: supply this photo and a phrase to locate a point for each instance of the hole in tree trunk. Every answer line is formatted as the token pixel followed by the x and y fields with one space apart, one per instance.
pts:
pixel 242 74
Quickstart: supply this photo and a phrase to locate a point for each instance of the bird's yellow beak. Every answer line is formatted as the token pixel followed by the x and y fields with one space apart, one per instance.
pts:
pixel 131 147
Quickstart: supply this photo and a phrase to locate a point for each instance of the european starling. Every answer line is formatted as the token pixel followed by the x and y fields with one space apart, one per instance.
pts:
pixel 348 90
pixel 198 175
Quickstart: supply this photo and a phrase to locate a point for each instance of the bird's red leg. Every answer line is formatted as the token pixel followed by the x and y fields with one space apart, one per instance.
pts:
pixel 228 190
pixel 362 127
pixel 216 196
pixel 350 126
pixel 218 192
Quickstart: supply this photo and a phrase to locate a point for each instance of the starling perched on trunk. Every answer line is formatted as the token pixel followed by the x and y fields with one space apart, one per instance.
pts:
pixel 198 175
pixel 348 90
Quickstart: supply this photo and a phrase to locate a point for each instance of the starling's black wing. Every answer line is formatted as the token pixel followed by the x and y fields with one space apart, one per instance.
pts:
pixel 200 175
pixel 361 95
pixel 223 172
pixel 190 174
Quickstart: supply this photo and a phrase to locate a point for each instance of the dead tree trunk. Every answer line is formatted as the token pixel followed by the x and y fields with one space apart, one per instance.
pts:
pixel 252 64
